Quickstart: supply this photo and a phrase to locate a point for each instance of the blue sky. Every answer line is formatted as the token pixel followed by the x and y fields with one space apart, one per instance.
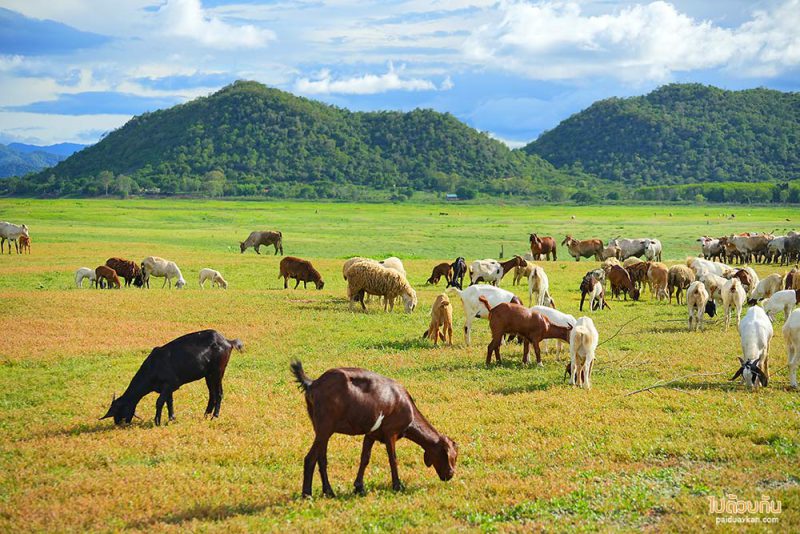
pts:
pixel 71 70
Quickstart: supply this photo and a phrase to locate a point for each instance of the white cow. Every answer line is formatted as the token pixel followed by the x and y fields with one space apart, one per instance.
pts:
pixel 11 232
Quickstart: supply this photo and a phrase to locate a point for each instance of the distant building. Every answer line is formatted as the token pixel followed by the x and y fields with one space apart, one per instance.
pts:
pixel 451 196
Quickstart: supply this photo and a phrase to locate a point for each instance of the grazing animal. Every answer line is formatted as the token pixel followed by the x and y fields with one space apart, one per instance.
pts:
pixel 781 301
pixel 524 271
pixel 161 268
pixel 631 247
pixel 543 246
pixel 442 270
pixel 747 276
pixel 733 295
pixel 441 318
pixel 791 334
pixel 628 262
pixel 621 283
pixel 215 277
pixel 583 249
pixel 474 309
pixel 128 270
pixel 539 283
pixel 375 279
pixel 583 341
pixel 755 333
pixel 459 270
pixel 83 273
pixel 766 288
pixel 517 320
pixel 352 261
pixel 679 278
pixel 591 286
pixel 299 270
pixel 24 243
pixel 638 274
pixel 711 248
pixel 395 264
pixel 107 274
pixel 487 270
pixel 701 266
pixel 556 317
pixel 714 285
pixel 658 274
pixel 610 253
pixel 359 402
pixel 266 238
pixel 11 232
pixel 698 302
pixel 203 354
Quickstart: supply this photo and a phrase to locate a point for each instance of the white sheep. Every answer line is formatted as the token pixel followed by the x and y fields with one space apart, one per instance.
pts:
pixel 83 273
pixel 214 276
pixel 539 283
pixel 473 308
pixel 791 334
pixel 557 318
pixel 487 270
pixel 755 333
pixel 583 341
pixel 767 287
pixel 698 302
pixel 395 264
pixel 733 295
pixel 780 301
pixel 161 268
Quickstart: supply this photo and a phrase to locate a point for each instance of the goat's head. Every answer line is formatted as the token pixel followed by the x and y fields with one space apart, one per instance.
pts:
pixel 121 409
pixel 319 283
pixel 635 294
pixel 242 246
pixel 711 308
pixel 751 373
pixel 410 301
pixel 180 283
pixel 443 457
pixel 138 281
pixel 567 239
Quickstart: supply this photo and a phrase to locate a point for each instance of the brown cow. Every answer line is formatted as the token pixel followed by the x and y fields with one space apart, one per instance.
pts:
pixel 256 239
pixel 543 246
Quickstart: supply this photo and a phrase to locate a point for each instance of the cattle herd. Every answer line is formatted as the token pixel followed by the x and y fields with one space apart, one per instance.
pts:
pixel 359 402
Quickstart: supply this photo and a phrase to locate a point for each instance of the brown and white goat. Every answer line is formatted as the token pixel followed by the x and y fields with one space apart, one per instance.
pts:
pixel 517 320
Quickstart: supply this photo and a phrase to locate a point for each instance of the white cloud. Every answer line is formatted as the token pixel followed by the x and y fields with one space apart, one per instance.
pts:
pixel 187 18
pixel 556 40
pixel 367 84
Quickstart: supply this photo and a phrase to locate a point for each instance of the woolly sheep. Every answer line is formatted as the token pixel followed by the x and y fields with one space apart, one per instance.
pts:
pixel 366 277
pixel 679 278
pixel 395 264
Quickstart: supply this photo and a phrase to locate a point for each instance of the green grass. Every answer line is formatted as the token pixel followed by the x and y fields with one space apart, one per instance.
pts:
pixel 535 453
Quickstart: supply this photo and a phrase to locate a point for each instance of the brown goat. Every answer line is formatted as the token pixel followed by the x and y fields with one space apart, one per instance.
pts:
pixel 359 402
pixel 543 246
pixel 104 272
pixel 533 327
pixel 129 270
pixel 443 269
pixel 679 278
pixel 638 274
pixel 745 278
pixel 513 263
pixel 24 244
pixel 583 249
pixel 621 283
pixel 300 271
pixel 441 317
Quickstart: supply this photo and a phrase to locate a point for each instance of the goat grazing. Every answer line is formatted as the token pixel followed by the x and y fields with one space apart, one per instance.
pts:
pixel 679 278
pixel 359 402
pixel 621 283
pixel 755 332
pixel 699 302
pixel 765 288
pixel 107 274
pixel 583 341
pixel 781 301
pixel 266 238
pixel 24 243
pixel 733 295
pixel 83 273
pixel 658 274
pixel 299 270
pixel 539 283
pixel 556 317
pixel 203 354
pixel 459 270
pixel 474 309
pixel 441 318
pixel 11 232
pixel 161 268
pixel 441 270
pixel 791 334
pixel 591 286
pixel 533 327
pixel 215 277
pixel 128 270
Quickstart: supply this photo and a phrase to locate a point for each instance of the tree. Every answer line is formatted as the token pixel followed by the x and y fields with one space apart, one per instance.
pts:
pixel 105 178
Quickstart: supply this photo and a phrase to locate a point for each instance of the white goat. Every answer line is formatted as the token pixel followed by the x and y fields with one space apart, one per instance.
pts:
pixel 83 273
pixel 791 334
pixel 582 345
pixel 161 268
pixel 698 265
pixel 698 302
pixel 11 232
pixel 394 263
pixel 767 287
pixel 538 283
pixel 781 301
pixel 755 333
pixel 485 271
pixel 557 318
pixel 214 276
pixel 733 295
pixel 473 308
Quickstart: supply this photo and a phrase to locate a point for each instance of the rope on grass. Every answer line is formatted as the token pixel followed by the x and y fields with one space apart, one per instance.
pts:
pixel 617 332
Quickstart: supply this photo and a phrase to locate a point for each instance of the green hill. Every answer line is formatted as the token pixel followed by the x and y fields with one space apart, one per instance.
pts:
pixel 249 139
pixel 681 134
pixel 15 162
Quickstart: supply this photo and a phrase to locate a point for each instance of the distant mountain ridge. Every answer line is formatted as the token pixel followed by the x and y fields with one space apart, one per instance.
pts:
pixel 59 149
pixel 14 162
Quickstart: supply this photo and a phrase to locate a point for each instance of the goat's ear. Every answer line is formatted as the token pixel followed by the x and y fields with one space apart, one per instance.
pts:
pixel 428 459
pixel 738 374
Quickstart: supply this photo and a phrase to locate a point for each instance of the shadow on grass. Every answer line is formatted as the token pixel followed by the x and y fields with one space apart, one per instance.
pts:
pixel 526 388
pixel 402 344
pixel 77 430
pixel 204 512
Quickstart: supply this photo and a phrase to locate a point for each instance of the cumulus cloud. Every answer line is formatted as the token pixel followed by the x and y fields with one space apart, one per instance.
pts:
pixel 187 18
pixel 557 40
pixel 367 84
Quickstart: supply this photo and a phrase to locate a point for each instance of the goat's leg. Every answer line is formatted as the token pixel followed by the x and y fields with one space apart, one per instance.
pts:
pixel 218 403
pixel 165 283
pixel 297 283
pixel 170 407
pixel 285 282
pixel 366 452
pixel 160 406
pixel 258 252
pixel 211 395
pixel 322 459
pixel 390 451
pixel 538 353
pixel 467 328
pixel 309 463
pixel 526 349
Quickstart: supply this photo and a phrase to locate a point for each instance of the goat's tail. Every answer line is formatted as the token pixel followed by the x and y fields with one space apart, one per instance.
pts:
pixel 485 303
pixel 237 344
pixel 300 375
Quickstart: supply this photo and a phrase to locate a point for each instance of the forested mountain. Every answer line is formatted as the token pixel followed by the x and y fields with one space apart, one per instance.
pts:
pixel 249 139
pixel 682 134
pixel 14 162
pixel 59 149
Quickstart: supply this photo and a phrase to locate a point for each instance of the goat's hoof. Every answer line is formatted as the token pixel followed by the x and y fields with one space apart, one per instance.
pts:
pixel 358 489
pixel 157 422
pixel 540 364
pixel 329 493
pixel 398 486
pixel 306 495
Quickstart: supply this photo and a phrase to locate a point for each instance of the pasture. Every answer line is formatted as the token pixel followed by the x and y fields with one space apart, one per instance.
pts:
pixel 534 452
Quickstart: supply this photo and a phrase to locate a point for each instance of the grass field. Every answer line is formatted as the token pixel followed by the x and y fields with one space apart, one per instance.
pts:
pixel 535 453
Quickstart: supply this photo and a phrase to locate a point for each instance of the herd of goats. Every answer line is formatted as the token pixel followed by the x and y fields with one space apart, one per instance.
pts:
pixel 359 402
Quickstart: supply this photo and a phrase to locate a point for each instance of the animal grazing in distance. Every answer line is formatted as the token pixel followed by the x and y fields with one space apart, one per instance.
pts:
pixel 266 238
pixel 583 341
pixel 84 273
pixel 372 278
pixel 128 270
pixel 215 277
pixel 24 243
pixel 161 268
pixel 583 249
pixel 105 274
pixel 473 308
pixel 301 271
pixel 442 270
pixel 11 232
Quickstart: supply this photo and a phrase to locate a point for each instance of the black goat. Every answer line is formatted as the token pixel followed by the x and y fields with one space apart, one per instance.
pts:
pixel 459 270
pixel 203 354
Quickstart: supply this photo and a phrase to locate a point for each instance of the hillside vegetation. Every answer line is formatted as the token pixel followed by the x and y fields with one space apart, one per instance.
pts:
pixel 15 162
pixel 681 134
